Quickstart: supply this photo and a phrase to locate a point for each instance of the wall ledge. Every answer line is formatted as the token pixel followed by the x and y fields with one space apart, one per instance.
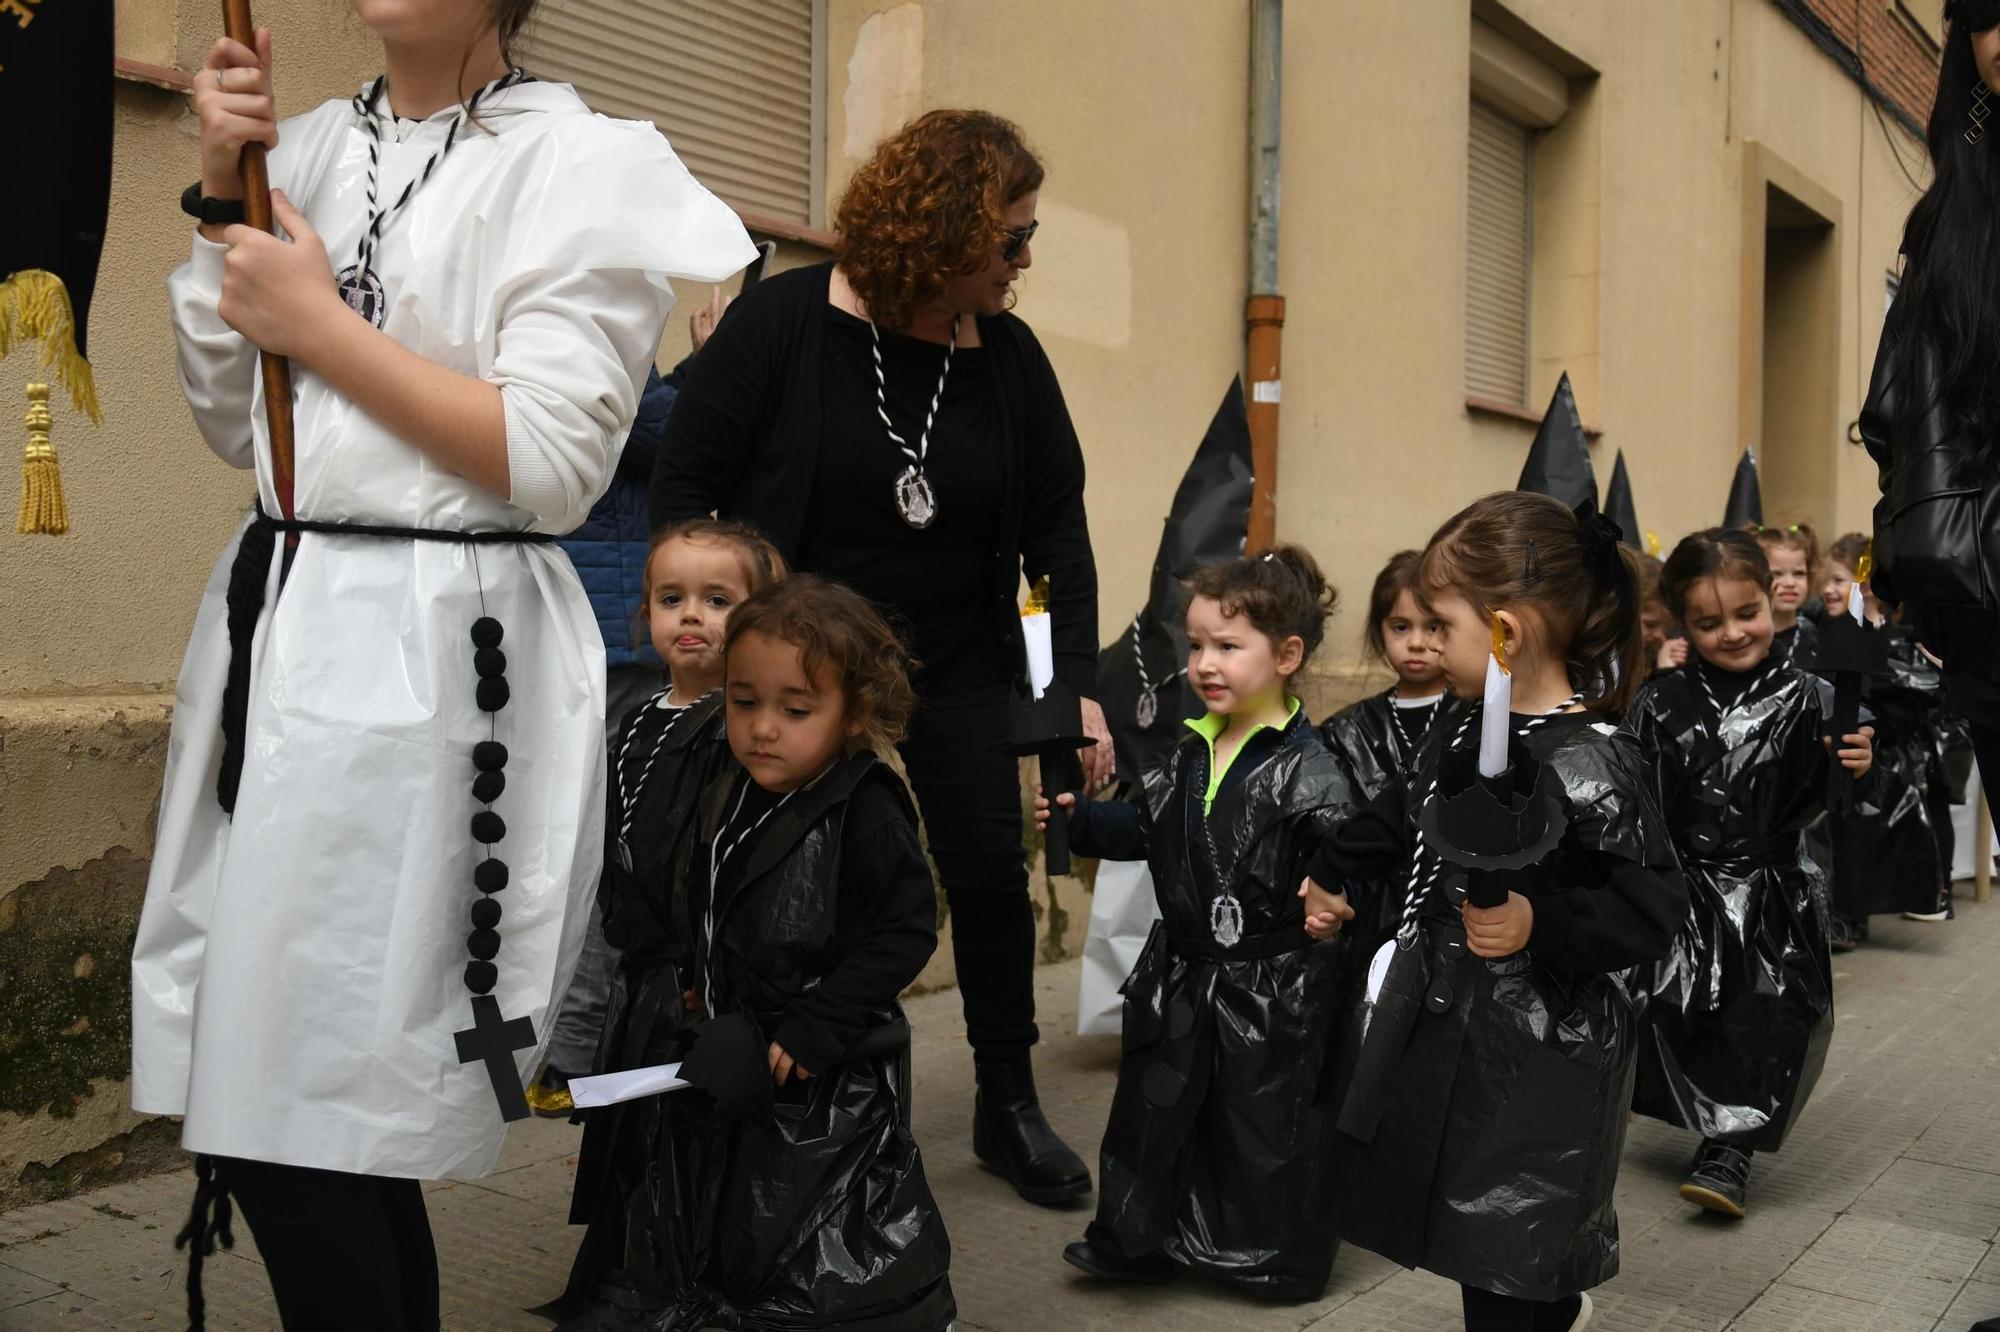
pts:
pixel 779 229
pixel 165 77
pixel 1490 407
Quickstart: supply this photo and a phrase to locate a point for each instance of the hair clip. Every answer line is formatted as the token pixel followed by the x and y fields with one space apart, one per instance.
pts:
pixel 1269 555
pixel 1531 566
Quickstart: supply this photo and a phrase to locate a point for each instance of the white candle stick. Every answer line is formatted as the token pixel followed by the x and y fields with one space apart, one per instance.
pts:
pixel 1494 723
pixel 1041 650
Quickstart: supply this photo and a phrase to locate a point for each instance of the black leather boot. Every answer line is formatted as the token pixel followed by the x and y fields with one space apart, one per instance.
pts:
pixel 1011 1137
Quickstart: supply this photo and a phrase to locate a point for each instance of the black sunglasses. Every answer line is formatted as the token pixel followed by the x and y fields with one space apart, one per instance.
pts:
pixel 1017 240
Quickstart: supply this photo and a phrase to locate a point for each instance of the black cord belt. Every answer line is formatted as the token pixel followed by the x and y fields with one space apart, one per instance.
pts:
pixel 250 573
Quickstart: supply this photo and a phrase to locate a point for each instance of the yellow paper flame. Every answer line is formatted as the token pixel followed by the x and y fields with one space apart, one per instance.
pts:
pixel 1500 644
pixel 1652 543
pixel 1866 564
pixel 1038 598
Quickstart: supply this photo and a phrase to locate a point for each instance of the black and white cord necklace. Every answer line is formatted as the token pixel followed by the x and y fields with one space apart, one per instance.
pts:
pixel 1397 712
pixel 629 791
pixel 358 283
pixel 915 500
pixel 1148 709
pixel 718 856
pixel 1701 669
pixel 1422 883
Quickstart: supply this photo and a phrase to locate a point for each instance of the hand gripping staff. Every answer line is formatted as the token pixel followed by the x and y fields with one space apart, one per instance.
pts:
pixel 277 371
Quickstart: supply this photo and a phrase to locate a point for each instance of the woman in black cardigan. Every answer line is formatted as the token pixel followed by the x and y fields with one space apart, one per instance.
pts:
pixel 1933 410
pixel 886 421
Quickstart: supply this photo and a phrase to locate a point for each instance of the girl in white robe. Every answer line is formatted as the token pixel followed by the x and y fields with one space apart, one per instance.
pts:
pixel 302 966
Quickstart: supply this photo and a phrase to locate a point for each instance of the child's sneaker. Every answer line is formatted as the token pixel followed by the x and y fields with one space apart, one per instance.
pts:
pixel 1720 1179
pixel 1153 1270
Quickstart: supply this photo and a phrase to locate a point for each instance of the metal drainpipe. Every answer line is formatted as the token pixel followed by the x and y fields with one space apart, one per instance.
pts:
pixel 1264 314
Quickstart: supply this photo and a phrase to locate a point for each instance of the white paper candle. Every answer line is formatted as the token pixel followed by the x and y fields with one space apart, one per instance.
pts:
pixel 1854 603
pixel 1495 721
pixel 1041 651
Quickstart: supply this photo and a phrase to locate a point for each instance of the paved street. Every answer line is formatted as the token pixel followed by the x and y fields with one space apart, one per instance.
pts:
pixel 1880 1215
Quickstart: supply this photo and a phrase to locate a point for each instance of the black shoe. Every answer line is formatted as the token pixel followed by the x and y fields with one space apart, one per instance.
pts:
pixel 1011 1137
pixel 1154 1269
pixel 1720 1179
pixel 1842 937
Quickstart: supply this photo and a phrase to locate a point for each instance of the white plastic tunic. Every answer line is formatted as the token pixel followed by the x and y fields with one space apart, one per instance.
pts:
pixel 297 978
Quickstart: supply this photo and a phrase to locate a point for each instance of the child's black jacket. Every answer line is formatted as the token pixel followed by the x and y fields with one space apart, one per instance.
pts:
pixel 1215 1149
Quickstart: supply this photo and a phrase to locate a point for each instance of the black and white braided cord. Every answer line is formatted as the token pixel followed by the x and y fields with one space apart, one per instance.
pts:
pixel 1139 659
pixel 629 792
pixel 364 107
pixel 918 454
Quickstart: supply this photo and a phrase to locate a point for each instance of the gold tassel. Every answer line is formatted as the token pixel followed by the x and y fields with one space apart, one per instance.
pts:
pixel 42 509
pixel 34 307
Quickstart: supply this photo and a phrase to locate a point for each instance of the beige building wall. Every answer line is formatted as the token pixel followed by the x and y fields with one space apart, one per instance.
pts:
pixel 1651 197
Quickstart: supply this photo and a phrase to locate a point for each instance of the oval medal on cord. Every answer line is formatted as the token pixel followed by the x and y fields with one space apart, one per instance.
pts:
pixel 362 291
pixel 357 283
pixel 914 498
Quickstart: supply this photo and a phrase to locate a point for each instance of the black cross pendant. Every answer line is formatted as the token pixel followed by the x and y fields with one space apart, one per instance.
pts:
pixel 494 1040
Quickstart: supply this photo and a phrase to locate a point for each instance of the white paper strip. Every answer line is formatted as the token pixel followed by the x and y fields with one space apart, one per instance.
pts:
pixel 1854 603
pixel 1041 650
pixel 1494 722
pixel 1378 969
pixel 630 1085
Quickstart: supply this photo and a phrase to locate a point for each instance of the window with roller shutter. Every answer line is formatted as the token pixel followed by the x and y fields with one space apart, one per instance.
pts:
pixel 1497 245
pixel 735 85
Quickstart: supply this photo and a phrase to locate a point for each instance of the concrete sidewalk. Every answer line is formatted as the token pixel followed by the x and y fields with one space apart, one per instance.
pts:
pixel 1879 1217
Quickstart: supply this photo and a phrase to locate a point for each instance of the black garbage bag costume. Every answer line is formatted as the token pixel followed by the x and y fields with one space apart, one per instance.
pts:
pixel 1900 836
pixel 1795 646
pixel 1142 674
pixel 1745 506
pixel 1558 461
pixel 1480 1133
pixel 810 1211
pixel 1736 1019
pixel 1215 1151
pixel 661 762
pixel 1377 741
pixel 1620 509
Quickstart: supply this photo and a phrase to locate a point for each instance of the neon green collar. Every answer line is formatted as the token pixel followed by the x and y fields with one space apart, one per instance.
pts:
pixel 1210 726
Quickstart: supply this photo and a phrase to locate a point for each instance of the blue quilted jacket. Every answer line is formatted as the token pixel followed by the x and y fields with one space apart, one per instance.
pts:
pixel 609 549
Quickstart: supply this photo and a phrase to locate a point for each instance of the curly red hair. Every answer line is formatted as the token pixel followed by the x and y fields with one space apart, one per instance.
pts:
pixel 928 207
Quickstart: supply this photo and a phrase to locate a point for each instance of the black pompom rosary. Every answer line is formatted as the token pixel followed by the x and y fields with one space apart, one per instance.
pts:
pixel 491 1038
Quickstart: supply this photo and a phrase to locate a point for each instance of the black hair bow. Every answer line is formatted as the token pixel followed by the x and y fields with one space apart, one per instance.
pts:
pixel 1601 539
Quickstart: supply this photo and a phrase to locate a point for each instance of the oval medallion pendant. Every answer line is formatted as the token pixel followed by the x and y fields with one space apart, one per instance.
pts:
pixel 362 291
pixel 915 500
pixel 1225 920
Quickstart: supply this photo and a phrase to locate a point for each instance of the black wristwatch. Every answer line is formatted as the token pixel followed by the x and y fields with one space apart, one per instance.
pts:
pixel 211 212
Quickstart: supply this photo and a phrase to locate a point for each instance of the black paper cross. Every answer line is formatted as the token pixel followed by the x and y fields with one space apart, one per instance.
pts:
pixel 494 1040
